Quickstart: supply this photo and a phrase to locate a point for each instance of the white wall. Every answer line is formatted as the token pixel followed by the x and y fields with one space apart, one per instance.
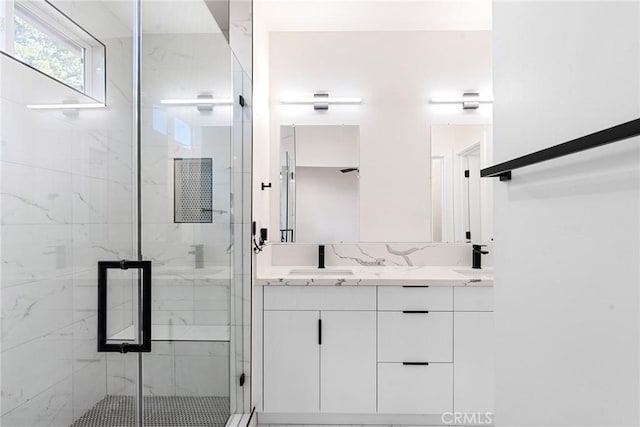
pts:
pixel 567 248
pixel 326 205
pixel 333 146
pixel 395 73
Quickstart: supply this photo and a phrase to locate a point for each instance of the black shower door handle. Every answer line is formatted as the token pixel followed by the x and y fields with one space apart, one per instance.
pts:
pixel 144 306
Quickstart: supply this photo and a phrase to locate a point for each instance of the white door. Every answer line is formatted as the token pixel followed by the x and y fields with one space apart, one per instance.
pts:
pixel 348 362
pixel 473 362
pixel 292 361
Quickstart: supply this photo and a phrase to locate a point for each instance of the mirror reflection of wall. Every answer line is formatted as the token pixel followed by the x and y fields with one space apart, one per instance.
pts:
pixel 319 183
pixel 461 201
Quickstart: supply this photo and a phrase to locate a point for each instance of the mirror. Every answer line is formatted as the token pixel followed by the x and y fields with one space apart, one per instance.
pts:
pixel 319 167
pixel 461 200
pixel 321 195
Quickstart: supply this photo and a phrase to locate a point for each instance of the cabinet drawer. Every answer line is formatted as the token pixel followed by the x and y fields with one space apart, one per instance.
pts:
pixel 411 389
pixel 415 337
pixel 415 298
pixel 469 298
pixel 320 298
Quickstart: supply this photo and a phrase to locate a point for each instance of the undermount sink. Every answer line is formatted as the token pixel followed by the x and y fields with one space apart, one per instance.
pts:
pixel 475 272
pixel 322 271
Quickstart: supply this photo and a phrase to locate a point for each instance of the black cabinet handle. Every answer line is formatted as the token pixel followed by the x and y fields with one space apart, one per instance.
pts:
pixel 415 311
pixel 415 286
pixel 319 331
pixel 415 363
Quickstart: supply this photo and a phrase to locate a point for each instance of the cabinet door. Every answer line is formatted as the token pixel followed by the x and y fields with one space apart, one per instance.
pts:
pixel 348 362
pixel 292 361
pixel 473 362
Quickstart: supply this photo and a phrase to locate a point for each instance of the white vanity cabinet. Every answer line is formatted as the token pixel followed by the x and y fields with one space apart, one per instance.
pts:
pixel 378 349
pixel 474 348
pixel 415 350
pixel 320 360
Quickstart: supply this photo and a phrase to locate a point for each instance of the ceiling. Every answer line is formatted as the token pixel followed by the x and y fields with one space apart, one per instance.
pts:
pixel 168 17
pixel 373 15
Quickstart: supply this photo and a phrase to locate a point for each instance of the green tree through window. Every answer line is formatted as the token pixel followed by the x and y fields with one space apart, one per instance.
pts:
pixel 47 53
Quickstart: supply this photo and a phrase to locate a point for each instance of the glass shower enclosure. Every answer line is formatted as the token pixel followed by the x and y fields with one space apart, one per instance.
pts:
pixel 125 201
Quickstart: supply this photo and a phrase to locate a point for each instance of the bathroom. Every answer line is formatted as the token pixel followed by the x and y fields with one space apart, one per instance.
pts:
pixel 274 213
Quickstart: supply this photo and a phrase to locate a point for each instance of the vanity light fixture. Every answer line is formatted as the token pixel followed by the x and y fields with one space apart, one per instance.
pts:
pixel 469 100
pixel 320 101
pixel 64 106
pixel 202 102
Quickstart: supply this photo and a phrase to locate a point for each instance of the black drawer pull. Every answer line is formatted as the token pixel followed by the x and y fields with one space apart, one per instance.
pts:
pixel 415 286
pixel 415 363
pixel 415 311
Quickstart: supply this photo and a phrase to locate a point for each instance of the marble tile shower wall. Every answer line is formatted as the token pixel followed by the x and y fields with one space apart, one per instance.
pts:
pixel 183 66
pixel 67 202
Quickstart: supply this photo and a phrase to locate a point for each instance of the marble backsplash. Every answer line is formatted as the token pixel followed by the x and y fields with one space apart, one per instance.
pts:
pixel 370 254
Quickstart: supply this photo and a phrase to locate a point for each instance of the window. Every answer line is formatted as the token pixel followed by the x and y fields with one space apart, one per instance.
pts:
pixel 40 36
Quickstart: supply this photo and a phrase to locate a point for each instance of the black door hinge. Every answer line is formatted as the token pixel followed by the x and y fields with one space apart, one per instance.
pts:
pixel 466 173
pixel 242 379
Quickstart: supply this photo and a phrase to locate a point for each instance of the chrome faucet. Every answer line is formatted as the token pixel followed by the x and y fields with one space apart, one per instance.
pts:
pixel 477 256
pixel 198 251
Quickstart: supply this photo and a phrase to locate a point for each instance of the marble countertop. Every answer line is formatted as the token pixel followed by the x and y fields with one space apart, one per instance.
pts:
pixel 375 275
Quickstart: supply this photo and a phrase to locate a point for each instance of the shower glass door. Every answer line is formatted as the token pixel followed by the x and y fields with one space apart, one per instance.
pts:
pixel 191 159
pixel 155 172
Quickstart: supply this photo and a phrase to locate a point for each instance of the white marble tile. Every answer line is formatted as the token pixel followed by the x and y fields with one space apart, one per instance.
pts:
pixel 121 374
pixel 32 145
pixel 95 242
pixel 35 196
pixel 173 317
pixel 202 348
pixel 51 407
pixel 202 376
pixel 34 310
pixel 211 297
pixel 173 297
pixel 241 32
pixel 89 200
pixel 158 375
pixel 89 385
pixel 375 254
pixel 26 373
pixel 34 252
pixel 211 317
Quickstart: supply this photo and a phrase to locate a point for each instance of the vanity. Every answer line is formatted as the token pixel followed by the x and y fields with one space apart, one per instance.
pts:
pixel 369 344
pixel 392 332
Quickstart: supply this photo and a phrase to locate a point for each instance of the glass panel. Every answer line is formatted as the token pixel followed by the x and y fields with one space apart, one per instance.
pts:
pixel 67 200
pixel 187 172
pixel 122 306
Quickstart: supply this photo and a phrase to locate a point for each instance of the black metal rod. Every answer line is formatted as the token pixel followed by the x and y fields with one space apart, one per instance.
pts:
pixel 607 136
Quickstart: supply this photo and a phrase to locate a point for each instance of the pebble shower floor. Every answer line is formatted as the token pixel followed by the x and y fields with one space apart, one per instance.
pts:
pixel 160 411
